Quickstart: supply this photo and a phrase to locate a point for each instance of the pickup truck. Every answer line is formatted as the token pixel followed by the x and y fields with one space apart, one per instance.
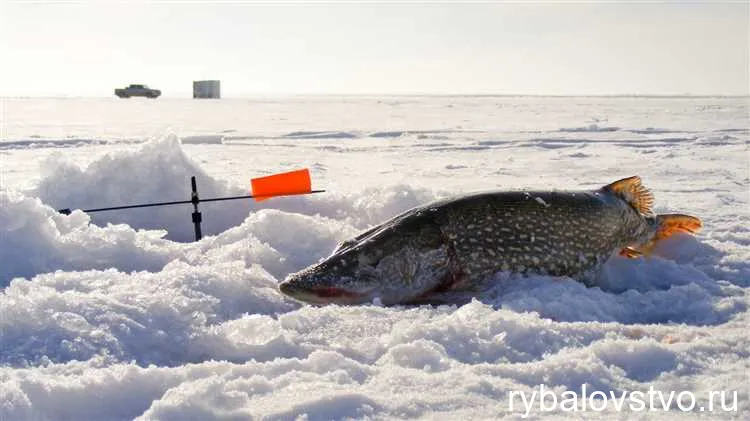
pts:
pixel 137 90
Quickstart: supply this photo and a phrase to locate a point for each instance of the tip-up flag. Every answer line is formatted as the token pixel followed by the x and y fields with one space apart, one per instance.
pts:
pixel 294 182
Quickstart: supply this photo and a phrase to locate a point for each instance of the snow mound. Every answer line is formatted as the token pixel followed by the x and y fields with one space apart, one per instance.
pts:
pixel 159 171
pixel 115 316
pixel 37 239
pixel 589 128
pixel 105 316
pixel 321 135
pixel 337 363
pixel 203 140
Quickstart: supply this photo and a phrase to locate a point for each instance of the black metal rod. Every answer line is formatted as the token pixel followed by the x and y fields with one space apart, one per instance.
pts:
pixel 197 218
pixel 182 202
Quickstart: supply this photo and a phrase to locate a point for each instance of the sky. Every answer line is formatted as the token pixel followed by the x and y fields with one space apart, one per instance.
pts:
pixel 583 48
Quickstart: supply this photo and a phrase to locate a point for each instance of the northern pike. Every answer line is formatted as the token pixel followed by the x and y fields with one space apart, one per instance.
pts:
pixel 454 244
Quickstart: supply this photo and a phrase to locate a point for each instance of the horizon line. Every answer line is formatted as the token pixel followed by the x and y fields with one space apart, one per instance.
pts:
pixel 250 95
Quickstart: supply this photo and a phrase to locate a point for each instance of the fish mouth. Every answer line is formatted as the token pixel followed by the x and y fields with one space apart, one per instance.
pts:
pixel 322 295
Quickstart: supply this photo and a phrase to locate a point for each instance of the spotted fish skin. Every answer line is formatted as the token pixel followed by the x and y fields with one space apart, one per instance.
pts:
pixel 552 233
pixel 458 243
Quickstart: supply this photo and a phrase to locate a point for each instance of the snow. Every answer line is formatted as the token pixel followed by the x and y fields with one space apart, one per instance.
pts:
pixel 590 128
pixel 118 315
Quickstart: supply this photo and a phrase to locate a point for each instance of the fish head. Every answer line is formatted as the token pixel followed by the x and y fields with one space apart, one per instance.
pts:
pixel 393 264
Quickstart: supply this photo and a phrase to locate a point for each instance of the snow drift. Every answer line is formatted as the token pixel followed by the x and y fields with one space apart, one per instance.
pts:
pixel 115 316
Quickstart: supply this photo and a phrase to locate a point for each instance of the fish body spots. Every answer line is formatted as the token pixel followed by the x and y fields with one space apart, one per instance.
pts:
pixel 555 233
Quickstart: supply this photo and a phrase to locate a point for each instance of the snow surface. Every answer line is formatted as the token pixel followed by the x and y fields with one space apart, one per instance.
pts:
pixel 117 315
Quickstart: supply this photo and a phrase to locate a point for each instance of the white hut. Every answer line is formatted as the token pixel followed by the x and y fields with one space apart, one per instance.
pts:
pixel 207 89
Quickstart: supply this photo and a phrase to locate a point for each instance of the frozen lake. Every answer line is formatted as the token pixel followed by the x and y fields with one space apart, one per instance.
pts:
pixel 118 316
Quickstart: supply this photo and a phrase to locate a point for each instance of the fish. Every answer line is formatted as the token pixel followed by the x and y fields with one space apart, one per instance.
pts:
pixel 458 243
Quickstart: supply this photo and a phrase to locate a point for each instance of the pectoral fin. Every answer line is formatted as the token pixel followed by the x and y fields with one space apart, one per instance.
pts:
pixel 630 253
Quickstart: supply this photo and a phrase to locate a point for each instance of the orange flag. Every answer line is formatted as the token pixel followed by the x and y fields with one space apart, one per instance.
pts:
pixel 294 182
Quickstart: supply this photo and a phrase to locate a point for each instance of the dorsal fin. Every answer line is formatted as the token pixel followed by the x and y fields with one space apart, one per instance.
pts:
pixel 632 191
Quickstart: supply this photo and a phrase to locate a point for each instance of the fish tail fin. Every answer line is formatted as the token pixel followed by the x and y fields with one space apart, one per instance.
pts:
pixel 635 193
pixel 670 223
pixel 666 226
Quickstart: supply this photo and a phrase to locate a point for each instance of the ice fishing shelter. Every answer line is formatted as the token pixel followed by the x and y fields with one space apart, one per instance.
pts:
pixel 207 89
